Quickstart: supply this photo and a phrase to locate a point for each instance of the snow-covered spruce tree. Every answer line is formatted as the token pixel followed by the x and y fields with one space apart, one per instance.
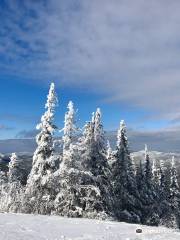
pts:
pixel 70 128
pixel 14 171
pixel 148 168
pixel 174 186
pixel 70 132
pixel 109 150
pixel 155 173
pixel 94 167
pixel 80 194
pixel 3 191
pixel 124 182
pixel 148 177
pixel 12 197
pixel 3 177
pixel 164 207
pixel 101 167
pixel 156 176
pixel 149 195
pixel 109 154
pixel 39 195
pixel 140 179
pixel 67 201
pixel 162 175
pixel 174 197
pixel 140 176
pixel 11 188
pixel 133 165
pixel 163 195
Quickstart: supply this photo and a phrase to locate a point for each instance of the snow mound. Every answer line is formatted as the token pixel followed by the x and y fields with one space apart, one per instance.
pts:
pixel 36 227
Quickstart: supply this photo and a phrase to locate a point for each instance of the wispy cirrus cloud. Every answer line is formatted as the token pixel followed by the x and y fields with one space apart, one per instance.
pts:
pixel 128 50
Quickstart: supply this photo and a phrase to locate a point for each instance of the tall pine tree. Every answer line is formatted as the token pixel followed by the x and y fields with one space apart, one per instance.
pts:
pixel 124 181
pixel 174 197
pixel 149 198
pixel 67 202
pixel 39 191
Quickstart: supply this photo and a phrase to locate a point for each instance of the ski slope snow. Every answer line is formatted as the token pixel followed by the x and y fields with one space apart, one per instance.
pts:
pixel 36 227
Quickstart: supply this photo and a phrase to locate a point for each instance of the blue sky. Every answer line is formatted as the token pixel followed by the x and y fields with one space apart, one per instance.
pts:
pixel 121 56
pixel 22 105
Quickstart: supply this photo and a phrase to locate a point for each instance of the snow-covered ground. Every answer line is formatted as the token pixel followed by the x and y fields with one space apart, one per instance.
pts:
pixel 36 227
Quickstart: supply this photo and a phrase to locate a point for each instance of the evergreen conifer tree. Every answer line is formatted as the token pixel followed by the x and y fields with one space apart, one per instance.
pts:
pixel 149 199
pixel 94 168
pixel 125 188
pixel 174 195
pixel 14 171
pixel 39 190
pixel 109 150
pixel 67 202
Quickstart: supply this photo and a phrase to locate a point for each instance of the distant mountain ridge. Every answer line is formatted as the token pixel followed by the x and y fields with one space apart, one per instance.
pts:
pixel 26 159
pixel 167 141
pixel 17 145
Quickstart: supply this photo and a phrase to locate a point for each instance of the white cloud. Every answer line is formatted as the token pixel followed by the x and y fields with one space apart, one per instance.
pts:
pixel 128 50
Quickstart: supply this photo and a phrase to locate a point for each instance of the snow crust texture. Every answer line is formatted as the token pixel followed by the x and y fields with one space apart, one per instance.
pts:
pixel 37 227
